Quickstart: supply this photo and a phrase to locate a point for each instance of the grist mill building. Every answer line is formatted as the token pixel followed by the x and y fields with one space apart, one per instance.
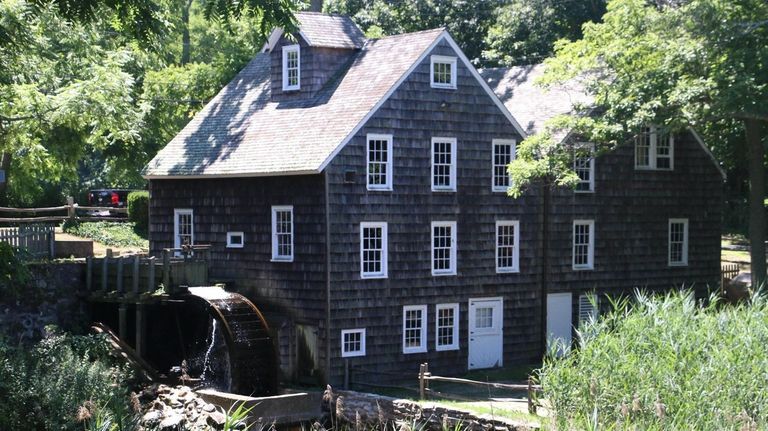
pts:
pixel 354 189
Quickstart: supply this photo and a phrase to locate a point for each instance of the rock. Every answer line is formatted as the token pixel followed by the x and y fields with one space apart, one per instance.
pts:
pixel 152 417
pixel 209 407
pixel 172 422
pixel 158 405
pixel 216 419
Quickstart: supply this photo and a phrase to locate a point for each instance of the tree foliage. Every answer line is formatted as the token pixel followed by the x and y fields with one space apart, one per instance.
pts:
pixel 91 90
pixel 694 63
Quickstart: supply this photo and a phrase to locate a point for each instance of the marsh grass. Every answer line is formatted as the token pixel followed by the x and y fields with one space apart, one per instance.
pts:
pixel 663 363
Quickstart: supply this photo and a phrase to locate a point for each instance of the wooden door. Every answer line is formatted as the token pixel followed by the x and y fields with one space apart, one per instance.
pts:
pixel 486 334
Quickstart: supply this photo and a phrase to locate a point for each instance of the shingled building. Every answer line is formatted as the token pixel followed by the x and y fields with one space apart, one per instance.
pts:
pixel 354 189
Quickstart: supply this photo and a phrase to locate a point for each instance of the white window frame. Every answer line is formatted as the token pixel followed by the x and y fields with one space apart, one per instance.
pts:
pixel 590 249
pixel 453 250
pixel 581 146
pixel 452 169
pixel 422 347
pixel 444 59
pixel 588 308
pixel 384 250
pixel 179 212
pixel 684 261
pixel 355 353
pixel 230 235
pixel 653 132
pixel 276 257
pixel 455 327
pixel 513 153
pixel 286 50
pixel 378 187
pixel 515 247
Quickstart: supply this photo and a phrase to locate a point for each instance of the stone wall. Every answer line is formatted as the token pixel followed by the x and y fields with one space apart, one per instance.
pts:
pixel 50 297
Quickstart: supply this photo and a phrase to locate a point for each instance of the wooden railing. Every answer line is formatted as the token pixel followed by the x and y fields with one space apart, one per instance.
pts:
pixel 68 211
pixel 37 240
pixel 129 277
pixel 425 377
pixel 727 273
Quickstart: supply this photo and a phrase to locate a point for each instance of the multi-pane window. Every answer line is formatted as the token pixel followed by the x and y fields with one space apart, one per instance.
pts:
pixel 507 246
pixel 352 343
pixel 291 67
pixel 654 149
pixel 373 250
pixel 584 166
pixel 282 233
pixel 484 317
pixel 442 71
pixel 447 327
pixel 444 248
pixel 503 154
pixel 379 162
pixel 583 244
pixel 414 328
pixel 183 228
pixel 588 306
pixel 443 164
pixel 678 242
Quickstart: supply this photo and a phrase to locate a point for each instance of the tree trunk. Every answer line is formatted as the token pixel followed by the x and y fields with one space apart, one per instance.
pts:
pixel 185 48
pixel 756 197
pixel 5 165
pixel 316 5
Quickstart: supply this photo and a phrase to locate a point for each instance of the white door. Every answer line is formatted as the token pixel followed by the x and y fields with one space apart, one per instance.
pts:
pixel 559 323
pixel 486 334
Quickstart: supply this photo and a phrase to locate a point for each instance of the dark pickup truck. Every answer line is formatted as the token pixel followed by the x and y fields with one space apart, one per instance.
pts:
pixel 113 198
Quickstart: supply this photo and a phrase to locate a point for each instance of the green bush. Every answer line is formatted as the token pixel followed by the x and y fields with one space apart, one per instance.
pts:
pixel 64 382
pixel 138 208
pixel 665 363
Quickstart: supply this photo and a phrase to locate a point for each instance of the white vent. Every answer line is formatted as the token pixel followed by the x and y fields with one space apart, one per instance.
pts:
pixel 588 306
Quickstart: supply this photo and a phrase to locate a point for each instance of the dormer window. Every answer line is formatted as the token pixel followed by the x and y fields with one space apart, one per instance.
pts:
pixel 291 71
pixel 654 149
pixel 442 72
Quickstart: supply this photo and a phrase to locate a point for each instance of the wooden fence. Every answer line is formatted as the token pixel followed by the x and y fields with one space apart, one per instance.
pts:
pixel 727 273
pixel 37 240
pixel 425 377
pixel 128 277
pixel 68 211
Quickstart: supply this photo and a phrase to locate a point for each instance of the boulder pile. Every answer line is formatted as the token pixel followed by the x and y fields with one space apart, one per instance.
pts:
pixel 178 408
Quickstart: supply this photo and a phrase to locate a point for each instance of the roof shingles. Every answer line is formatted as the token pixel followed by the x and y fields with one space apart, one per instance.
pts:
pixel 241 132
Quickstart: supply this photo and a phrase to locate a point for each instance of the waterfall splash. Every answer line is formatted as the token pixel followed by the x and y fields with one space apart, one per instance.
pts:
pixel 207 360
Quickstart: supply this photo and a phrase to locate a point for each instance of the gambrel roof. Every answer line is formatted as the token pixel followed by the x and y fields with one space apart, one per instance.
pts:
pixel 243 132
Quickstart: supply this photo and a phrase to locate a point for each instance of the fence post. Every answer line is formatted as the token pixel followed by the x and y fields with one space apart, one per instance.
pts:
pixel 120 275
pixel 346 374
pixel 421 381
pixel 52 241
pixel 151 286
pixel 167 271
pixel 135 277
pixel 89 273
pixel 531 407
pixel 71 212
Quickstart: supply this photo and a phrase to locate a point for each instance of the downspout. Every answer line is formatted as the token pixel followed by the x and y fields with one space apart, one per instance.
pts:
pixel 327 278
pixel 545 207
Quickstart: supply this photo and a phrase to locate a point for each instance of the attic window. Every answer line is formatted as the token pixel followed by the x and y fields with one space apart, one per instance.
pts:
pixel 654 149
pixel 442 72
pixel 291 71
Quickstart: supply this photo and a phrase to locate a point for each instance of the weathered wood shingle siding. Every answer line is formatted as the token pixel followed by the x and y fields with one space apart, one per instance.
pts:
pixel 318 65
pixel 413 115
pixel 631 209
pixel 293 289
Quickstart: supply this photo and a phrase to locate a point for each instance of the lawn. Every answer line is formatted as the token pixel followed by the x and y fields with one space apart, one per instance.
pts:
pixel 112 234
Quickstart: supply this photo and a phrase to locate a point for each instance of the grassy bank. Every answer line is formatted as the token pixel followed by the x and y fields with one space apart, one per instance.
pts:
pixel 665 363
pixel 109 233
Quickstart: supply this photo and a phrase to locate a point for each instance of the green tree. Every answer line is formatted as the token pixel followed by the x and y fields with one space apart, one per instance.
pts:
pixel 525 31
pixel 698 63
